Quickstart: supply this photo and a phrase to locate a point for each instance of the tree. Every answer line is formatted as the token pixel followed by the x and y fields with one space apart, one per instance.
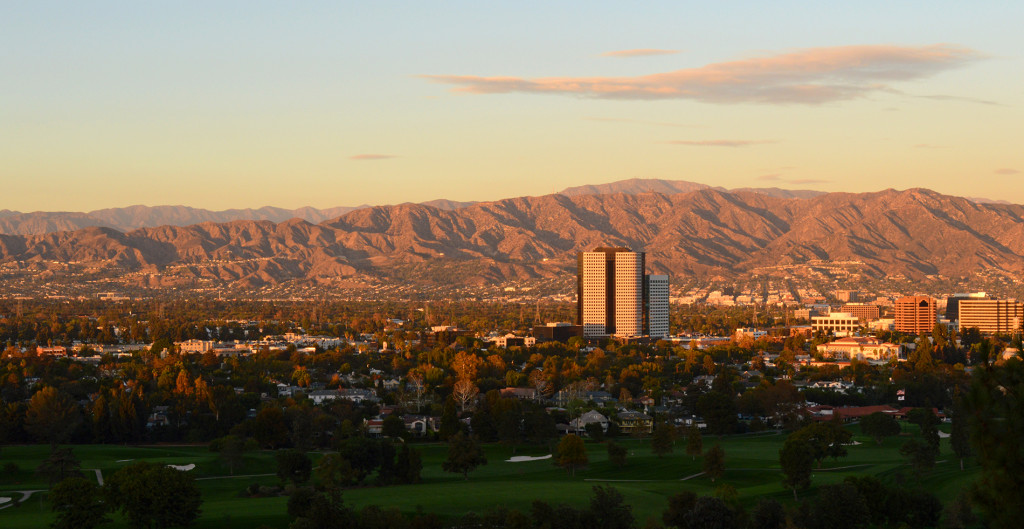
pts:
pixel 571 453
pixel 449 420
pixel 334 471
pixel 925 418
pixel 796 459
pixel 52 416
pixel 539 426
pixel 611 511
pixel 662 439
pixel 768 514
pixel 714 462
pixel 879 425
pixel 464 455
pixel 294 465
pixel 694 442
pixel 408 464
pixel 994 402
pixel 60 465
pixel 838 507
pixel 921 455
pixel 393 426
pixel 959 436
pixel 679 507
pixel 79 504
pixel 364 455
pixel 824 438
pixel 270 428
pixel 595 431
pixel 154 495
pixel 719 411
pixel 710 512
pixel 464 392
pixel 319 510
pixel 617 454
pixel 231 450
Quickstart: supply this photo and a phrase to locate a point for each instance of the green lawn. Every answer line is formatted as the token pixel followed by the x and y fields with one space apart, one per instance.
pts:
pixel 646 481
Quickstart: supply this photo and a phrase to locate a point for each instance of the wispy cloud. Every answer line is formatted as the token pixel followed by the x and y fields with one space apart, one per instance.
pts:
pixel 1007 171
pixel 775 177
pixel 928 146
pixel 806 76
pixel 366 157
pixel 646 52
pixel 720 143
pixel 637 121
pixel 940 97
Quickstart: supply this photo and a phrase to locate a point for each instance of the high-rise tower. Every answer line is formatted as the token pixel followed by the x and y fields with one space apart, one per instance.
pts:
pixel 614 297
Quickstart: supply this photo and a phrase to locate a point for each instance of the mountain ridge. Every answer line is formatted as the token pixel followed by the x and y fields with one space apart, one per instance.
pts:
pixel 702 233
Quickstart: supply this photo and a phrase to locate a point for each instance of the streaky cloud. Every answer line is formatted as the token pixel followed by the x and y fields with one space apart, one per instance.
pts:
pixel 637 121
pixel 805 76
pixel 720 143
pixel 1007 171
pixel 644 52
pixel 367 157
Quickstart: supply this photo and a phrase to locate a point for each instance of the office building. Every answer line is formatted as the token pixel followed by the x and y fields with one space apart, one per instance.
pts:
pixel 953 304
pixel 615 298
pixel 838 323
pixel 991 316
pixel 657 306
pixel 915 314
pixel 863 311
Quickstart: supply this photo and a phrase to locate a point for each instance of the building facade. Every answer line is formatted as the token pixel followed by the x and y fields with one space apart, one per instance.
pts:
pixel 991 316
pixel 915 314
pixel 838 323
pixel 615 298
pixel 863 311
pixel 657 306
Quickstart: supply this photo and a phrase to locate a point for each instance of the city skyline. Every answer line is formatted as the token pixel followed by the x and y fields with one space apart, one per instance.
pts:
pixel 237 105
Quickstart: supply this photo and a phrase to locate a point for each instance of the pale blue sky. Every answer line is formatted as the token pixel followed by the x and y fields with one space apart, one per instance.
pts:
pixel 246 104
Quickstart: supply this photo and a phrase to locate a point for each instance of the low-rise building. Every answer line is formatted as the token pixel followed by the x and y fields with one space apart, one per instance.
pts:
pixel 838 323
pixel 634 422
pixel 861 348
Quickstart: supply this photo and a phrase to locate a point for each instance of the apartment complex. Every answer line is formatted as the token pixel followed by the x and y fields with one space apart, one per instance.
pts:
pixel 915 314
pixel 616 298
pixel 991 316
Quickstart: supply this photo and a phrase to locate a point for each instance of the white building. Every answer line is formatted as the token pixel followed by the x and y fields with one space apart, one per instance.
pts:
pixel 839 323
pixel 861 348
pixel 657 306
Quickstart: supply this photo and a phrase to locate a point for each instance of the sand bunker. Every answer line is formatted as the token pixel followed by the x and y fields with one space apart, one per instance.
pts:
pixel 520 459
pixel 183 468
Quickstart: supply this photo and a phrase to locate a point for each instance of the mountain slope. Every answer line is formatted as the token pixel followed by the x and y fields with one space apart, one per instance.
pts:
pixel 701 233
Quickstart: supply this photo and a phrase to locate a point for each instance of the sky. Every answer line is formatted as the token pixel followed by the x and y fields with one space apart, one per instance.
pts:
pixel 224 105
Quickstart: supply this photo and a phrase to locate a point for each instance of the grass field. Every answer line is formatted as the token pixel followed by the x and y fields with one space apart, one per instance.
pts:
pixel 646 481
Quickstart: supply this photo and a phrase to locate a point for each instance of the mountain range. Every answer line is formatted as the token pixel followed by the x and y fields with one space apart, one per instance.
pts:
pixel 134 217
pixel 701 232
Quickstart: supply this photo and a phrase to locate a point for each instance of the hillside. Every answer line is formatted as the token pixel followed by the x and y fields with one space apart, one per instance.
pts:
pixel 701 233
